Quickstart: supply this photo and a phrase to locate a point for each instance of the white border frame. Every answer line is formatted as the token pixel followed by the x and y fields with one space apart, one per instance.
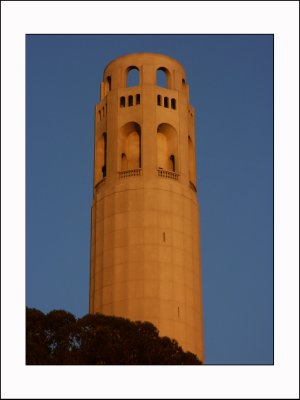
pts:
pixel 279 381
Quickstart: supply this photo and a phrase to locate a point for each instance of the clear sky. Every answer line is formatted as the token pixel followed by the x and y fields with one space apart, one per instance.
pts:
pixel 231 88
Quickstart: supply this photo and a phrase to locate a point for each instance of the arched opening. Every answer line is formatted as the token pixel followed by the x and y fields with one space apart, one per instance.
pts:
pixel 172 162
pixel 138 99
pixel 163 77
pixel 130 150
pixel 173 104
pixel 167 148
pixel 124 162
pixel 130 101
pixel 166 102
pixel 133 76
pixel 192 162
pixel 159 100
pixel 162 150
pixel 103 154
pixel 183 86
pixel 108 81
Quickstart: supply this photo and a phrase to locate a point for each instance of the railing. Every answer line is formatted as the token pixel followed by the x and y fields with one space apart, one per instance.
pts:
pixel 167 174
pixel 130 172
pixel 193 187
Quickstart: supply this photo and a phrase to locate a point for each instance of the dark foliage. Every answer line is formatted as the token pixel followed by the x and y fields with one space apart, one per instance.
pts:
pixel 59 338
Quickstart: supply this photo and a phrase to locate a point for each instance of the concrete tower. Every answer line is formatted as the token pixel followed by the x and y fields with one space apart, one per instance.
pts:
pixel 145 244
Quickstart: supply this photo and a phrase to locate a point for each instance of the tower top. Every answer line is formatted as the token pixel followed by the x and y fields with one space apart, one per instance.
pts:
pixel 116 72
pixel 144 57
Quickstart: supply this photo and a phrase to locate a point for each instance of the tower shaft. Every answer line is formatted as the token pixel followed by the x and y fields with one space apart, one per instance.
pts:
pixel 145 236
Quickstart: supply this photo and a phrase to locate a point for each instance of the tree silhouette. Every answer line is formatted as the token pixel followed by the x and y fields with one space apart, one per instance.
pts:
pixel 58 338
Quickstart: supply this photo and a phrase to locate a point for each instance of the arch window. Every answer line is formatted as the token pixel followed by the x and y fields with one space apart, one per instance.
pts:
pixel 133 76
pixel 162 77
pixel 159 100
pixel 184 86
pixel 173 104
pixel 130 101
pixel 137 99
pixel 130 150
pixel 103 154
pixel 108 80
pixel 167 148
pixel 166 102
pixel 124 162
pixel 172 162
pixel 192 161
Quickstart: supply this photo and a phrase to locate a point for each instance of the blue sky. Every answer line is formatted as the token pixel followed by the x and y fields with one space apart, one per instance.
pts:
pixel 231 88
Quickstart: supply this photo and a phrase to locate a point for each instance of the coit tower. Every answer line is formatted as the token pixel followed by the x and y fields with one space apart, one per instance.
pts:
pixel 145 236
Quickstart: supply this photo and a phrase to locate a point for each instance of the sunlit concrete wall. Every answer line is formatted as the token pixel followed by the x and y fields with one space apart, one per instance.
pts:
pixel 145 244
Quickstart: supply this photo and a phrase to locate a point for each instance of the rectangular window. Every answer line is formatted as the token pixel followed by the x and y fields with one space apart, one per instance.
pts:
pixel 122 101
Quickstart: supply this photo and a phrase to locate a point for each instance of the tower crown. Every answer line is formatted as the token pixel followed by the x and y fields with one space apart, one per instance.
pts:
pixel 148 65
pixel 150 121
